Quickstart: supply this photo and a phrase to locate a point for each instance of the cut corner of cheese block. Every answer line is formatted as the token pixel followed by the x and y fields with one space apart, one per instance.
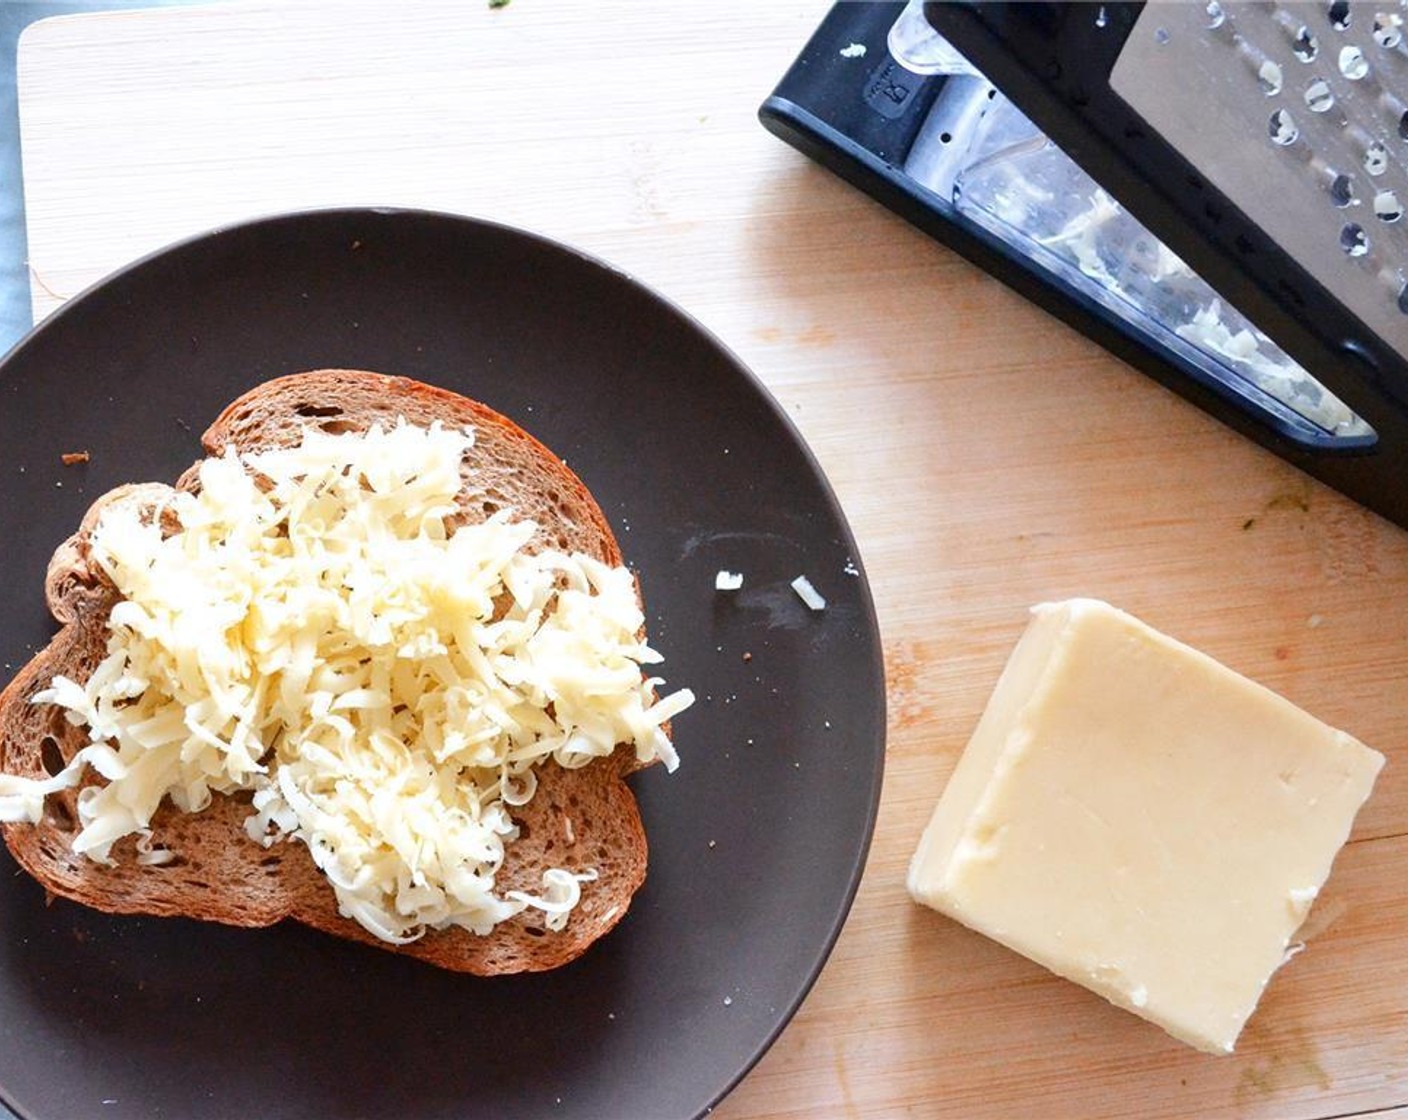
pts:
pixel 1140 819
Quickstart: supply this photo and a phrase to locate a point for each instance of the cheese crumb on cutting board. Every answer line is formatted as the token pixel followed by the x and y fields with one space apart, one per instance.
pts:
pixel 1140 819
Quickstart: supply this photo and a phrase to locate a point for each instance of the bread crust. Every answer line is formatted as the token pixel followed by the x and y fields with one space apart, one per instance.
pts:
pixel 578 818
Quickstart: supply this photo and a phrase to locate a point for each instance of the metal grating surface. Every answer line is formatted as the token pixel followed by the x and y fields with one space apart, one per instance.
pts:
pixel 1297 113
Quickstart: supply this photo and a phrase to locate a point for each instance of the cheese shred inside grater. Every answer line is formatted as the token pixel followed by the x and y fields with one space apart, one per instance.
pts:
pixel 1215 191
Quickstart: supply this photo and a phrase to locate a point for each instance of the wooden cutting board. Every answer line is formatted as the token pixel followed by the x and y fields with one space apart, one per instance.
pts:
pixel 987 457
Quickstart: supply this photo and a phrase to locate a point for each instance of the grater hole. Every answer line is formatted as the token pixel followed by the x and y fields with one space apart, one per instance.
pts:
pixel 1403 126
pixel 1216 16
pixel 1269 77
pixel 1339 15
pixel 1318 96
pixel 1353 240
pixel 1281 128
pixel 1387 208
pixel 1353 64
pixel 1342 191
pixel 1161 35
pixel 1403 298
pixel 1376 156
pixel 1388 29
pixel 1305 45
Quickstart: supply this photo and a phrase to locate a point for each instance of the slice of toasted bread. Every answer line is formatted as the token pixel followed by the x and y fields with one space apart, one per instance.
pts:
pixel 584 817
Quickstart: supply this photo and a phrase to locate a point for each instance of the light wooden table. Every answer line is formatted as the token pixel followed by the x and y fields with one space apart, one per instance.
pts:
pixel 988 458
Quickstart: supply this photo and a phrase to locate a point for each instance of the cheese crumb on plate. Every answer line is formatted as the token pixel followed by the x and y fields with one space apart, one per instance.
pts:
pixel 808 594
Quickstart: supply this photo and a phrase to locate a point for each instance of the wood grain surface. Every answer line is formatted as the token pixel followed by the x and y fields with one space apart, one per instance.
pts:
pixel 987 456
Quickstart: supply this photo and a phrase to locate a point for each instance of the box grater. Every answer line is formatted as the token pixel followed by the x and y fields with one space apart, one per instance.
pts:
pixel 1216 191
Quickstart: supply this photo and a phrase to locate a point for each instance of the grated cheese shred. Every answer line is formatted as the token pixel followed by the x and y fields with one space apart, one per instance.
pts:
pixel 319 632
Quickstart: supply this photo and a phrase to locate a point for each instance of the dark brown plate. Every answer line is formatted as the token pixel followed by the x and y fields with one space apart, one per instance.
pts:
pixel 757 842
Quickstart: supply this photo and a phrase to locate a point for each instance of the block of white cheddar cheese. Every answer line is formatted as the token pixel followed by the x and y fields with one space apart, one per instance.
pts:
pixel 1141 820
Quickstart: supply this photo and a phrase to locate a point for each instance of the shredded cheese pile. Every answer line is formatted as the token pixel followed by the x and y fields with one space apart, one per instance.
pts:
pixel 315 632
